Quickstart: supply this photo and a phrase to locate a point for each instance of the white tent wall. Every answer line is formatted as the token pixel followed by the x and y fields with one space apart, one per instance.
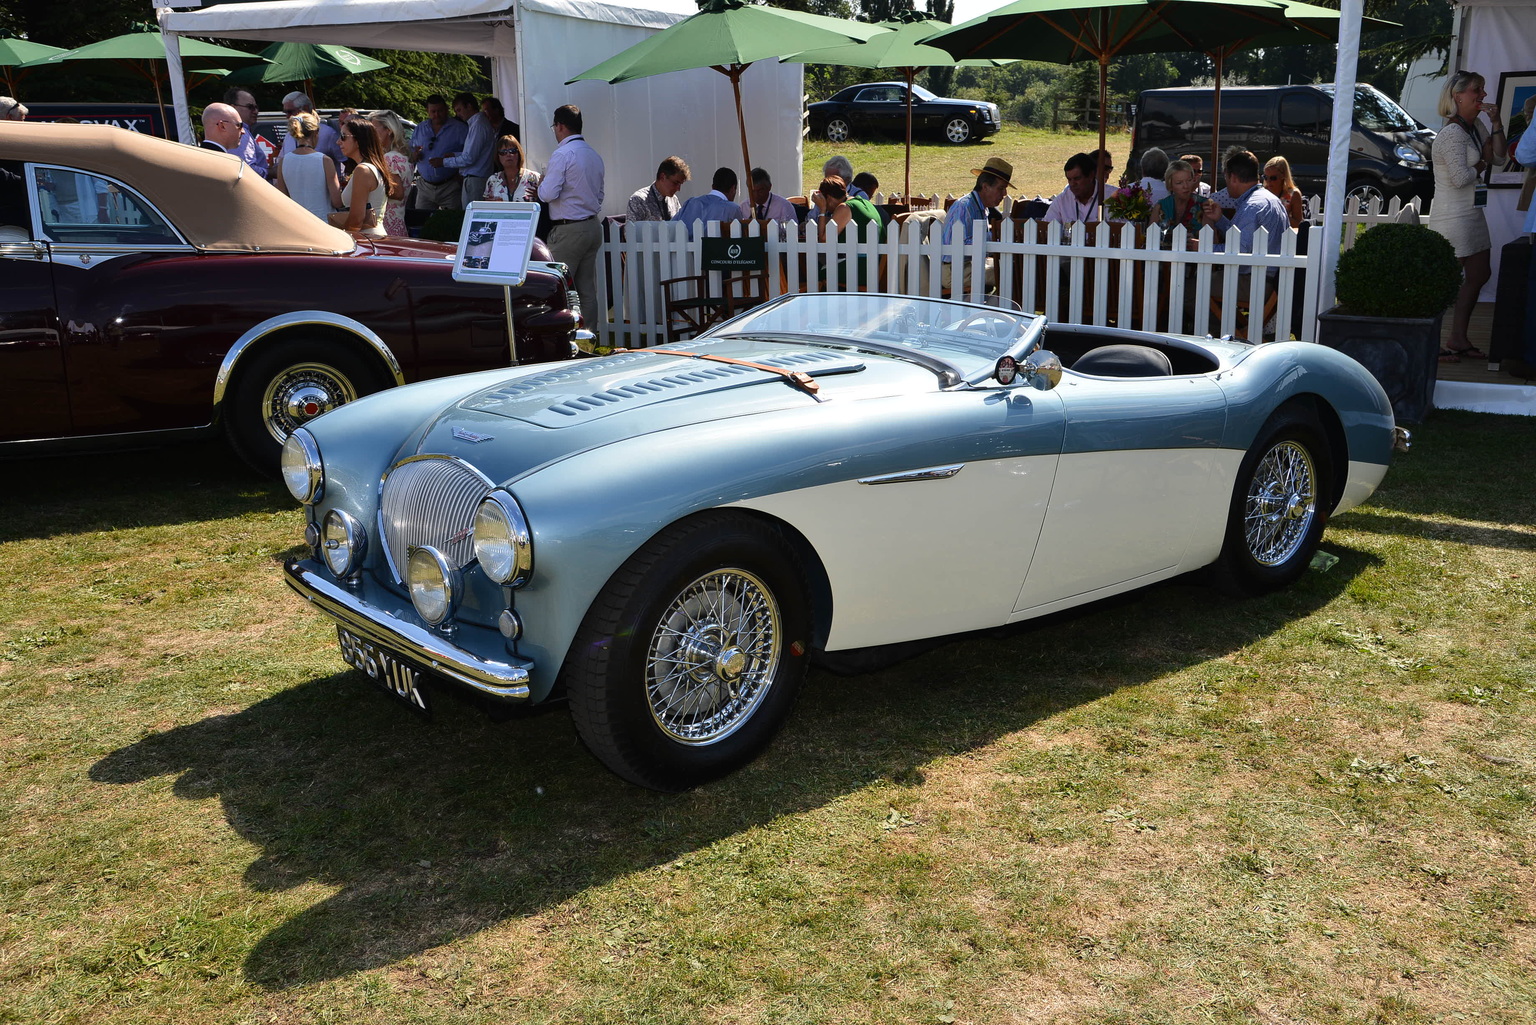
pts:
pixel 535 45
pixel 1493 38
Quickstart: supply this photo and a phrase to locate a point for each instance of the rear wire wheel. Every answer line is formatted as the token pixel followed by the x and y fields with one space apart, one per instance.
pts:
pixel 1280 505
pixel 691 657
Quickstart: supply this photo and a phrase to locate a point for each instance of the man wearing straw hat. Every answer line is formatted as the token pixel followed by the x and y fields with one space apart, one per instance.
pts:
pixel 993 180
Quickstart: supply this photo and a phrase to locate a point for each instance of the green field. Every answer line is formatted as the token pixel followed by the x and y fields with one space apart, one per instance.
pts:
pixel 1318 806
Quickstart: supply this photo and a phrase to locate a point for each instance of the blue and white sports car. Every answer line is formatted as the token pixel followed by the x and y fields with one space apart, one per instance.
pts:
pixel 667 537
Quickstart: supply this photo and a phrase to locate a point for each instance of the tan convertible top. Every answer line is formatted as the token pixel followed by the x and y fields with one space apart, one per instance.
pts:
pixel 213 198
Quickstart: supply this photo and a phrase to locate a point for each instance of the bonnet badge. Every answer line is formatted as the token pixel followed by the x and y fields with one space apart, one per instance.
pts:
pixel 470 436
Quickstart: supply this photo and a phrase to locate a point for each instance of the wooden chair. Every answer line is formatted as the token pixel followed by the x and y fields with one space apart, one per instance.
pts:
pixel 1244 313
pixel 691 308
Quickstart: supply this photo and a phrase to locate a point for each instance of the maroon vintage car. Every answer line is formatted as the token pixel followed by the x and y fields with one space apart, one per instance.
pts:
pixel 150 290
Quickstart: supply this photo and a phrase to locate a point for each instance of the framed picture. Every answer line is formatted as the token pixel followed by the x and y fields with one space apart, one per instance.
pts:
pixel 1515 89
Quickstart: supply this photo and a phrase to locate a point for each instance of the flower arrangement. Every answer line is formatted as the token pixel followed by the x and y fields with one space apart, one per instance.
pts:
pixel 1131 203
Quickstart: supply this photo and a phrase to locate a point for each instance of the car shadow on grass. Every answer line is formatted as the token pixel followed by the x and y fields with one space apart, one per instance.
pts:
pixel 174 483
pixel 436 830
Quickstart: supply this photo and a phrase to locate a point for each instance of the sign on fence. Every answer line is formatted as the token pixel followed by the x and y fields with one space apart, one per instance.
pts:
pixel 734 254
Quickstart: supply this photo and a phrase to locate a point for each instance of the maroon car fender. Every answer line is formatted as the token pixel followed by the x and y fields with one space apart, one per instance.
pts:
pixel 300 319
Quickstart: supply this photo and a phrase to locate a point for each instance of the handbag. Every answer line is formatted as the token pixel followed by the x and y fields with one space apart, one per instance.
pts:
pixel 371 219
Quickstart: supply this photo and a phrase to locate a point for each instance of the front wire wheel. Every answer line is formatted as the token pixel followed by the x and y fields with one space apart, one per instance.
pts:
pixel 713 656
pixel 691 656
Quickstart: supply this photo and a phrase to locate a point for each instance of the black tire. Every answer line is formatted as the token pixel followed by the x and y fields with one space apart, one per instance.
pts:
pixel 287 384
pixel 1280 505
pixel 958 130
pixel 838 130
pixel 664 608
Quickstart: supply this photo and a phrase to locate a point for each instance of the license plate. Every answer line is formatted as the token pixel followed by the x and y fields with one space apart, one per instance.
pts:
pixel 382 668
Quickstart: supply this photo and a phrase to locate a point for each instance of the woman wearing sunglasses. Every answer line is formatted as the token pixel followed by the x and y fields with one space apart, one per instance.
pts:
pixel 512 181
pixel 367 191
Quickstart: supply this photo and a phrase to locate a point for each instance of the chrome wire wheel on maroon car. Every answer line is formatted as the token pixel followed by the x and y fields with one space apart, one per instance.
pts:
pixel 712 656
pixel 300 393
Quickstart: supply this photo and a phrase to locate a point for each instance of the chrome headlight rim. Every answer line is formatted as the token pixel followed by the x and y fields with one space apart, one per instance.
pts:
pixel 345 550
pixel 302 468
pixel 503 540
pixel 434 585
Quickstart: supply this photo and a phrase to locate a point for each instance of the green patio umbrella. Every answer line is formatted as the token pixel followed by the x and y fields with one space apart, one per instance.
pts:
pixel 15 52
pixel 1066 31
pixel 898 49
pixel 305 62
pixel 137 52
pixel 728 36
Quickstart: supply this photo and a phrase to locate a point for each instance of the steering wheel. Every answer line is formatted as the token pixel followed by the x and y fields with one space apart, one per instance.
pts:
pixel 1002 327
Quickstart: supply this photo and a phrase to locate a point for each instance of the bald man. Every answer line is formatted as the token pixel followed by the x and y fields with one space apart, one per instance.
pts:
pixel 222 128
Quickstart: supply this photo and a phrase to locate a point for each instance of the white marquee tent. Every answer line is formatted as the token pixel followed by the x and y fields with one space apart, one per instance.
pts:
pixel 535 45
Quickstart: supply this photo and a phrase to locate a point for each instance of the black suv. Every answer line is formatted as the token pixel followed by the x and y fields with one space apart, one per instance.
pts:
pixel 1388 149
pixel 880 108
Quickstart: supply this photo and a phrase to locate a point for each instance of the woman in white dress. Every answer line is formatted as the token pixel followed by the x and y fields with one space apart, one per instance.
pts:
pixel 305 175
pixel 512 181
pixel 1463 150
pixel 370 183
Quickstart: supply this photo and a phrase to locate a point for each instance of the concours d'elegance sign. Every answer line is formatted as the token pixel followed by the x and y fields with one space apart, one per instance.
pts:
pixel 729 254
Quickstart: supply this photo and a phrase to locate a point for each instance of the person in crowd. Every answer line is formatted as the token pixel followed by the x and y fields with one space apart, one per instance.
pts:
pixel 329 141
pixel 1253 207
pixel 838 209
pixel 658 201
pixel 1197 167
pixel 763 204
pixel 1182 206
pixel 222 128
pixel 367 193
pixel 1277 179
pixel 718 204
pixel 12 109
pixel 1462 152
pixel 497 112
pixel 1106 168
pixel 1154 165
pixel 306 175
pixel 254 150
pixel 475 161
pixel 993 180
pixel 1524 365
pixel 396 146
pixel 1079 200
pixel 514 182
pixel 572 188
pixel 837 166
pixel 438 187
pixel 344 115
pixel 866 183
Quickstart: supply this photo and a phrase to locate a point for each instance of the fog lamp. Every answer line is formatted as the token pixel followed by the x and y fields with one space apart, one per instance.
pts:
pixel 434 584
pixel 343 542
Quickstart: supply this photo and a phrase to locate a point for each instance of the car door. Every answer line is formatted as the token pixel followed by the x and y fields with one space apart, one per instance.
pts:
pixel 870 110
pixel 1305 120
pixel 34 392
pixel 122 306
pixel 1135 484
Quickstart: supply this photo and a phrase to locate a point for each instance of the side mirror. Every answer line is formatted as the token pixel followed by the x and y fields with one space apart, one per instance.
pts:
pixel 1041 370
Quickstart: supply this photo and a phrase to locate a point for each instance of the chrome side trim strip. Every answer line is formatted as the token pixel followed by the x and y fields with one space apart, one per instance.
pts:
pixel 507 681
pixel 931 473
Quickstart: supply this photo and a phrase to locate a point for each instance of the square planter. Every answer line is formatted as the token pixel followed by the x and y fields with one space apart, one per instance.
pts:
pixel 1402 353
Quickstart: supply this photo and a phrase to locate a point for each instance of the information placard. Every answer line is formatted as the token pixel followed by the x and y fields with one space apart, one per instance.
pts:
pixel 496 243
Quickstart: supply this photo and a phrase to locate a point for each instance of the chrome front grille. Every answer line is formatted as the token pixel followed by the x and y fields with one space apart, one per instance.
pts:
pixel 430 500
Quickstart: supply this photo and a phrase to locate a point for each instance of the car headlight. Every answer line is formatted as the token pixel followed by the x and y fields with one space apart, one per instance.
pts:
pixel 434 584
pixel 343 542
pixel 303 472
pixel 503 542
pixel 1408 155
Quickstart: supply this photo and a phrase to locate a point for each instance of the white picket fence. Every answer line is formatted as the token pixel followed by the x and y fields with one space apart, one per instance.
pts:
pixel 1152 280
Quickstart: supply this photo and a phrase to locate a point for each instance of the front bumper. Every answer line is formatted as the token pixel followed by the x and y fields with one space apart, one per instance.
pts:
pixel 433 652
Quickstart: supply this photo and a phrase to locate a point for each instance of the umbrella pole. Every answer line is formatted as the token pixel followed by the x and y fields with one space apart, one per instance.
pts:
pixel 741 123
pixel 1218 56
pixel 1103 113
pixel 907 185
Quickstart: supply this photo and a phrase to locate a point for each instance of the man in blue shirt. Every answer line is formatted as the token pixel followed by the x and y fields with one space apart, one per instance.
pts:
pixel 718 204
pixel 476 161
pixel 1255 207
pixel 437 136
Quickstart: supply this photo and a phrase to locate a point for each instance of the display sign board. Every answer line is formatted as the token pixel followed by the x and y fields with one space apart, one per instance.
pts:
pixel 734 254
pixel 496 243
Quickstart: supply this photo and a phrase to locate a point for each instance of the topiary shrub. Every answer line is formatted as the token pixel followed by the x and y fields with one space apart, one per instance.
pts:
pixel 1398 270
